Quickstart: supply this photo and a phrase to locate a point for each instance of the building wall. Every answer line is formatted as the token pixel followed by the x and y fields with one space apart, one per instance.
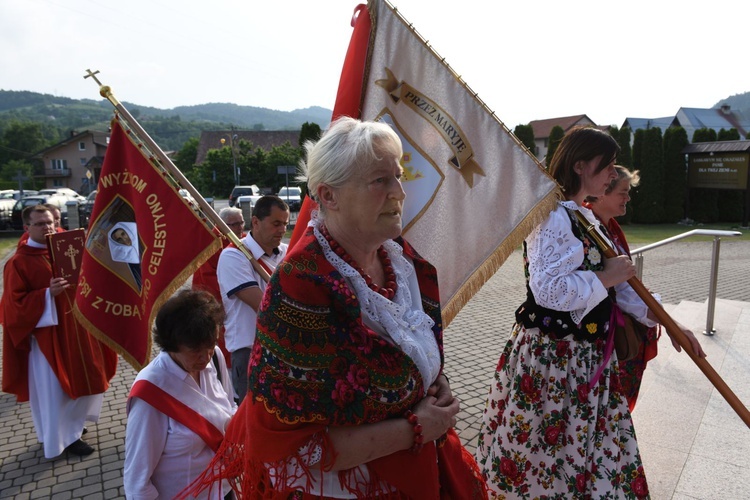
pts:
pixel 65 166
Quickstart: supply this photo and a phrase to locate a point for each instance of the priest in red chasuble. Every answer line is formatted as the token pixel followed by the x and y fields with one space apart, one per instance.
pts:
pixel 49 360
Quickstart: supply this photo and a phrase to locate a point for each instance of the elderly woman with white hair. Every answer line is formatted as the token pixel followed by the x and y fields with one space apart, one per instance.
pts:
pixel 347 396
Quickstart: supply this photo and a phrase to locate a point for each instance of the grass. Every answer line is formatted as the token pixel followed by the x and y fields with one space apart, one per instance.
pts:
pixel 639 234
pixel 643 234
pixel 8 240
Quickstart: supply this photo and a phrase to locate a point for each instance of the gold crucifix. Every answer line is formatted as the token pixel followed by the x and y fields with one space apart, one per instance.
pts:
pixel 71 252
pixel 92 74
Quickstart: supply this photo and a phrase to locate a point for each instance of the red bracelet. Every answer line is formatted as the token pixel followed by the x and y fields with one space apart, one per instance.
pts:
pixel 412 418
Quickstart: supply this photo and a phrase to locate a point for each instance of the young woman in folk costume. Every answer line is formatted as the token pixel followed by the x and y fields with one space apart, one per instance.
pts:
pixel 556 423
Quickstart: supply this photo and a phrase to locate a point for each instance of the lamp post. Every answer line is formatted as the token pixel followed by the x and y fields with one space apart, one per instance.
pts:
pixel 232 143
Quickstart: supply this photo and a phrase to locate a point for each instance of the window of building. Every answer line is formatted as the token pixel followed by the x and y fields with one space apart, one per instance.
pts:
pixel 83 161
pixel 57 183
pixel 58 164
pixel 81 146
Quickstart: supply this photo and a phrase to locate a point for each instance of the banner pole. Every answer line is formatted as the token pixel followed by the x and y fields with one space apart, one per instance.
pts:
pixel 675 332
pixel 164 161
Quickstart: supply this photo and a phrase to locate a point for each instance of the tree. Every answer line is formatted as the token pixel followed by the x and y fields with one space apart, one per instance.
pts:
pixel 525 134
pixel 728 135
pixel 20 141
pixel 732 204
pixel 622 136
pixel 185 157
pixel 675 174
pixel 215 176
pixel 284 155
pixel 555 136
pixel 309 132
pixel 704 203
pixel 649 203
pixel 10 172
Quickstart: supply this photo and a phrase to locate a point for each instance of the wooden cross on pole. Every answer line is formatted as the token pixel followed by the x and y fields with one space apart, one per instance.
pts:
pixel 20 178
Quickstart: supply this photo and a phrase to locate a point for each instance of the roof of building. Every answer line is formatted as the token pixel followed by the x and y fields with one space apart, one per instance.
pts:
pixel 692 119
pixel 717 147
pixel 99 137
pixel 542 128
pixel 710 118
pixel 264 139
pixel 640 123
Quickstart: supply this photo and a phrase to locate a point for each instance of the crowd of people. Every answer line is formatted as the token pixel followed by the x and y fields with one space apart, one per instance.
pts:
pixel 327 380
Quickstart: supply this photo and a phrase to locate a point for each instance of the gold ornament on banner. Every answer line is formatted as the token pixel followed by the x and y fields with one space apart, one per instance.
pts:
pixel 463 154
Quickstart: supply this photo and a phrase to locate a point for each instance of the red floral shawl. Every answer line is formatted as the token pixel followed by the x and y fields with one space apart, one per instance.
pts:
pixel 315 364
pixel 631 372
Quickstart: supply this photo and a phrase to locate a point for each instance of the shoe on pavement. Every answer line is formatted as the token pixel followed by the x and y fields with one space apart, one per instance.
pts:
pixel 80 448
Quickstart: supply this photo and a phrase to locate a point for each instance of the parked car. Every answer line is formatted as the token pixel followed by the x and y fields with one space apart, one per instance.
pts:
pixel 86 207
pixel 8 198
pixel 237 191
pixel 63 191
pixel 15 194
pixel 292 195
pixel 59 200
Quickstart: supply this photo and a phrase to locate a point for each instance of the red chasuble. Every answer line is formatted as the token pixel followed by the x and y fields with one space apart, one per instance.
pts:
pixel 82 364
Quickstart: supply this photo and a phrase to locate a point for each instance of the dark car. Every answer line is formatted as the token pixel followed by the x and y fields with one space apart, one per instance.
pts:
pixel 238 191
pixel 59 200
pixel 85 208
pixel 8 198
pixel 292 195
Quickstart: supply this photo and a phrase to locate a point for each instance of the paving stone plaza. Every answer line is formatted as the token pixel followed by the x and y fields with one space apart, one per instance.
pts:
pixel 693 444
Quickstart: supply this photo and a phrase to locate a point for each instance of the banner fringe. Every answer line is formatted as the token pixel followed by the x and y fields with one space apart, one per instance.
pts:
pixel 490 266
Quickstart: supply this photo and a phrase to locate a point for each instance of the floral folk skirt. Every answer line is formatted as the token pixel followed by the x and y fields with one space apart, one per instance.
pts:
pixel 549 431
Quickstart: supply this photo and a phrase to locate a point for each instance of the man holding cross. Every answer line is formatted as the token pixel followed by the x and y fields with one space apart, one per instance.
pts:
pixel 48 358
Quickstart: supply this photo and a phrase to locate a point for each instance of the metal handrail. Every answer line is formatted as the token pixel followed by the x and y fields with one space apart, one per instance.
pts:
pixel 717 234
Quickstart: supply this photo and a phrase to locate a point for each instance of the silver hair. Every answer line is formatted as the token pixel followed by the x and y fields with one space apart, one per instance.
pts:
pixel 634 178
pixel 225 212
pixel 346 150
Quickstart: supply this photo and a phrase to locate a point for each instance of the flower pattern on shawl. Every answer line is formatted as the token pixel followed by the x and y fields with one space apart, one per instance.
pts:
pixel 315 361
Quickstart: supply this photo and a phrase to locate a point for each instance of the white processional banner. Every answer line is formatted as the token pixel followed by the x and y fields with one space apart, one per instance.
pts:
pixel 473 191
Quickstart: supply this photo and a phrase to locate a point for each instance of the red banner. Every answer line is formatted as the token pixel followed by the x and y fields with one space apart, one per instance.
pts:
pixel 143 242
pixel 348 97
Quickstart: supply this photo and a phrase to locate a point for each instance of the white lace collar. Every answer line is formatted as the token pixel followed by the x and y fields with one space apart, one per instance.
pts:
pixel 402 318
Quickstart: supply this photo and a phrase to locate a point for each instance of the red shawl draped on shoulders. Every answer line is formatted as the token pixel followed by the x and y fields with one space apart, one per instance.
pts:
pixel 314 365
pixel 631 372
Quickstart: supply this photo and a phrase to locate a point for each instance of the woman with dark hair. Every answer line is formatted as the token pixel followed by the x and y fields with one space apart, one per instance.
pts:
pixel 556 423
pixel 178 407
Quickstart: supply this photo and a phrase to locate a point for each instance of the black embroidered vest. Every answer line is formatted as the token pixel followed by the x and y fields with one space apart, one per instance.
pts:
pixel 558 324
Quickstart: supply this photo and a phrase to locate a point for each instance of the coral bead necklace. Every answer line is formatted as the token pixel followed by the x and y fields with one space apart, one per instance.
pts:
pixel 389 290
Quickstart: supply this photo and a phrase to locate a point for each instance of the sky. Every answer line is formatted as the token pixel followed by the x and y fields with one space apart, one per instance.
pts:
pixel 527 60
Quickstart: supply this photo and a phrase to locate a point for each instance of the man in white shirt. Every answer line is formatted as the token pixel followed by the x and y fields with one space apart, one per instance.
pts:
pixel 242 288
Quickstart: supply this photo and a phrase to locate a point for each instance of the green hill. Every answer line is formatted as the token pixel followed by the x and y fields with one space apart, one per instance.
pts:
pixel 170 128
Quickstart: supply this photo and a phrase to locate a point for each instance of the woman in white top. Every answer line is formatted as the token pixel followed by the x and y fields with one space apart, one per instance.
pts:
pixel 556 423
pixel 179 405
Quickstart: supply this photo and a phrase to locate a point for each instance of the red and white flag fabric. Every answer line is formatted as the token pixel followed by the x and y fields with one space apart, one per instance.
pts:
pixel 143 242
pixel 473 191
